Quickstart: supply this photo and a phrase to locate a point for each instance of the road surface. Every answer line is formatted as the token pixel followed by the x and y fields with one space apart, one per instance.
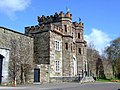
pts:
pixel 67 86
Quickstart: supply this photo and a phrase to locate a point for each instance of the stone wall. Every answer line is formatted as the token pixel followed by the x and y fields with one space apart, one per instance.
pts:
pixel 67 56
pixel 20 49
pixel 42 47
pixel 65 79
pixel 55 55
pixel 44 73
pixel 5 53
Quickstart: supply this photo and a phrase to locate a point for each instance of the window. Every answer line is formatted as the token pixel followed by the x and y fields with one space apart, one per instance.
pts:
pixel 57 66
pixel 65 26
pixel 66 46
pixel 79 50
pixel 79 35
pixel 57 45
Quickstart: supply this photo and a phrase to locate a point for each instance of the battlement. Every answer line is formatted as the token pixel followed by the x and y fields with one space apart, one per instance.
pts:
pixel 54 18
pixel 81 24
pixel 31 28
pixel 39 28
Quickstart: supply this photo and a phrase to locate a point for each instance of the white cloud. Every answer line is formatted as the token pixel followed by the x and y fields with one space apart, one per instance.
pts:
pixel 99 38
pixel 9 7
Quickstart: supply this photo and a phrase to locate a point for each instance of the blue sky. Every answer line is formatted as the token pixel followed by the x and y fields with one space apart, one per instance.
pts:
pixel 101 17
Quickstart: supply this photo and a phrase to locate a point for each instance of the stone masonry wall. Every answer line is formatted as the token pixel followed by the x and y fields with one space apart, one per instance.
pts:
pixel 67 57
pixel 41 48
pixel 21 53
pixel 55 54
pixel 79 57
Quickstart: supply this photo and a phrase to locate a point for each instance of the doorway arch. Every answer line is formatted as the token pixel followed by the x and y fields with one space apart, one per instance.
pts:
pixel 1 62
pixel 74 66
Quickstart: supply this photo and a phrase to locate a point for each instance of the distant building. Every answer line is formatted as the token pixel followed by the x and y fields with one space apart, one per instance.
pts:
pixel 57 49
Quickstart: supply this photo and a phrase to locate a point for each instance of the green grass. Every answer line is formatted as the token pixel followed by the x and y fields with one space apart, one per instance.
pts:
pixel 103 80
pixel 108 80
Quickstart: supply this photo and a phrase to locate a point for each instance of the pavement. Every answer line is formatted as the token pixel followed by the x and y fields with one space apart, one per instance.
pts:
pixel 66 86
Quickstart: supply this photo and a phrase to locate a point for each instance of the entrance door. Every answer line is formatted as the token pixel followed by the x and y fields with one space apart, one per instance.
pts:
pixel 36 75
pixel 1 60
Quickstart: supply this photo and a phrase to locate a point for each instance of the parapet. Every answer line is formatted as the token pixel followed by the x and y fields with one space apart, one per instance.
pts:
pixel 31 28
pixel 81 24
pixel 39 28
pixel 54 18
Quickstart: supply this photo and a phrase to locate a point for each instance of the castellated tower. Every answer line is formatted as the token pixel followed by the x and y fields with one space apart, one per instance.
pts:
pixel 59 47
pixel 81 49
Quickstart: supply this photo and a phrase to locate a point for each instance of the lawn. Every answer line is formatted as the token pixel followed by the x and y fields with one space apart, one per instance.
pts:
pixel 108 80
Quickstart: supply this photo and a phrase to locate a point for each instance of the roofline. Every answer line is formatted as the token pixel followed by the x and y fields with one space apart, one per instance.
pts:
pixel 14 31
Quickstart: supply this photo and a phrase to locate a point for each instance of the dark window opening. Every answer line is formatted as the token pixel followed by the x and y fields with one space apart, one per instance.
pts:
pixel 65 26
pixel 66 46
pixel 80 50
pixel 79 35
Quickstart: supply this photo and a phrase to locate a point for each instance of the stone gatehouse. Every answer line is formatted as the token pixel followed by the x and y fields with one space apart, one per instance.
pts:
pixel 55 48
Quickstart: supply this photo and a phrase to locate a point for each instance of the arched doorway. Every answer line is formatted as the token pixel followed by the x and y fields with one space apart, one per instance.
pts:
pixel 1 62
pixel 74 67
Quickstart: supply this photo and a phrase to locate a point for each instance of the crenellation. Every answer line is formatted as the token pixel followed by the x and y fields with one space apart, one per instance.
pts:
pixel 27 29
pixel 61 14
pixel 76 24
pixel 54 18
pixel 43 27
pixel 81 24
pixel 33 28
pixel 56 15
pixel 68 15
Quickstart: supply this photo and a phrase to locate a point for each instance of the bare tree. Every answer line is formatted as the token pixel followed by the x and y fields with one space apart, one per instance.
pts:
pixel 92 55
pixel 14 66
pixel 26 63
pixel 21 61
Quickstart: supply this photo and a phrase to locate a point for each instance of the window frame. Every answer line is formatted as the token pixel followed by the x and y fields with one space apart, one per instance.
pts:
pixel 57 66
pixel 57 45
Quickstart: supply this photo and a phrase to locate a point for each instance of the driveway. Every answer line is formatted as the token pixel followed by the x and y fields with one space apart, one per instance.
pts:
pixel 67 86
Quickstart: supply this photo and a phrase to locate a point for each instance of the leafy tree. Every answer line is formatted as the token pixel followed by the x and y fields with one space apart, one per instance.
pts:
pixel 113 54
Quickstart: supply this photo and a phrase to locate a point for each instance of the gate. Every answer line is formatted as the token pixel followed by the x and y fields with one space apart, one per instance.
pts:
pixel 36 75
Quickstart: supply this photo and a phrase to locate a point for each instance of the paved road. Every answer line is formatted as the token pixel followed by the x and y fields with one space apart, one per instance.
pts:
pixel 67 86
